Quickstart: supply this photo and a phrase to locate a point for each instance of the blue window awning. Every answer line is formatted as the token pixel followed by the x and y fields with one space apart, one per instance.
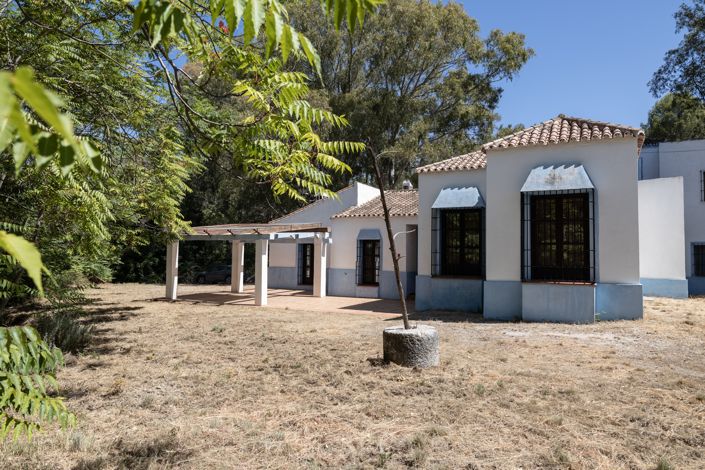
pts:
pixel 369 234
pixel 557 178
pixel 458 198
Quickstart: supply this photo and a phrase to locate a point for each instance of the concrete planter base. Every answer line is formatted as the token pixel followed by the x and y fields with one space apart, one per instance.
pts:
pixel 416 347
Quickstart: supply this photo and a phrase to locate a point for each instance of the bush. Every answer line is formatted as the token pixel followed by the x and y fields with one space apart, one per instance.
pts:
pixel 28 382
pixel 63 329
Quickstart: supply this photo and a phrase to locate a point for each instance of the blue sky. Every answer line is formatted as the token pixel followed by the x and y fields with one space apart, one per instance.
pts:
pixel 593 58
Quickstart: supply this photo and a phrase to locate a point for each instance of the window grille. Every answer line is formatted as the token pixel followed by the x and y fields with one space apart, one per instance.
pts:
pixel 461 242
pixel 699 259
pixel 702 185
pixel 558 235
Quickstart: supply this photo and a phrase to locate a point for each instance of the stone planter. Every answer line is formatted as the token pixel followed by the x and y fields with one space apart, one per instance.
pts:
pixel 415 347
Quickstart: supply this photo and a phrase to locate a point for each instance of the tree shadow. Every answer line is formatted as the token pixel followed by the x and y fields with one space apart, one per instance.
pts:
pixel 164 451
pixel 448 317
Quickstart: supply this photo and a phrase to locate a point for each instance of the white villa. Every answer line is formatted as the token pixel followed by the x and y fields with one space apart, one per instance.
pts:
pixel 547 224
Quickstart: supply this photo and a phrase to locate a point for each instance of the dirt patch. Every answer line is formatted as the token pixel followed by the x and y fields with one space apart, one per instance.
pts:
pixel 211 386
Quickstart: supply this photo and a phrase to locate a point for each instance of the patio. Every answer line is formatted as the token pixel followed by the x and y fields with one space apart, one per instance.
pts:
pixel 291 299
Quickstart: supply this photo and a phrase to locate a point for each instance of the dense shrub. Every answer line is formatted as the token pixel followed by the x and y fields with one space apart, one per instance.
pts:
pixel 63 329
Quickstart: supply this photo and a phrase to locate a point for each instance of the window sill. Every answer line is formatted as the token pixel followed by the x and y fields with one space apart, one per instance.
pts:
pixel 459 276
pixel 562 283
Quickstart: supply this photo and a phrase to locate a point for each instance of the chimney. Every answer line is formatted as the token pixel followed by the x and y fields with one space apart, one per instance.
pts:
pixel 407 185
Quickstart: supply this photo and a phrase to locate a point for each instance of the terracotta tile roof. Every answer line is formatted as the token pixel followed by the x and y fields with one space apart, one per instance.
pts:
pixel 561 129
pixel 401 203
pixel 470 161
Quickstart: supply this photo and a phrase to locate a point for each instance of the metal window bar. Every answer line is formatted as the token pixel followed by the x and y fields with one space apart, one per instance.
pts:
pixel 560 244
pixel 359 261
pixel 435 243
pixel 702 185
pixel 699 259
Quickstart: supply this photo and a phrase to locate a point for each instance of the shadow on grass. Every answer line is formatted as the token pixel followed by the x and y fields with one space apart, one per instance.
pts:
pixel 447 317
pixel 164 451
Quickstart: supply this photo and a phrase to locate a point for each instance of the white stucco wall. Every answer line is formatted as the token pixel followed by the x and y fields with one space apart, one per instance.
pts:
pixel 321 211
pixel 430 185
pixel 343 252
pixel 283 255
pixel 687 159
pixel 661 229
pixel 649 162
pixel 612 167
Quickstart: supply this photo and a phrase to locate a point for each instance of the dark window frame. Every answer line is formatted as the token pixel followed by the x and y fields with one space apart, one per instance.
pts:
pixel 368 262
pixel 702 185
pixel 698 259
pixel 558 236
pixel 304 278
pixel 461 247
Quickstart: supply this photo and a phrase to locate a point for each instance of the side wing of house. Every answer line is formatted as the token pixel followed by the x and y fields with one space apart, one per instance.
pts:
pixel 687 160
pixel 291 264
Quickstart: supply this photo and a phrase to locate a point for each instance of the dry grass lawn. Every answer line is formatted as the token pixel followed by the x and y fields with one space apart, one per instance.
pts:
pixel 204 386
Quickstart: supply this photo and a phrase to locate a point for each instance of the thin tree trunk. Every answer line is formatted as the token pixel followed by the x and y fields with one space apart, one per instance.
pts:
pixel 392 245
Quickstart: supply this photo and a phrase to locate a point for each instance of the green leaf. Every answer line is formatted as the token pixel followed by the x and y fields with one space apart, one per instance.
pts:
pixel 216 7
pixel 67 158
pixel 234 9
pixel 311 53
pixel 290 42
pixel 26 254
pixel 254 17
pixel 20 152
pixel 43 102
pixel 273 29
pixel 47 144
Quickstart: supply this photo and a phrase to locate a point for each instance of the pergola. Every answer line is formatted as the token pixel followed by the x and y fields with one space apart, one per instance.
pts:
pixel 261 235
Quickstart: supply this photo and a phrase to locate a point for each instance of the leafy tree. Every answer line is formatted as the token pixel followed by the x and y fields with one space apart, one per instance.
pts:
pixel 416 82
pixel 675 117
pixel 683 70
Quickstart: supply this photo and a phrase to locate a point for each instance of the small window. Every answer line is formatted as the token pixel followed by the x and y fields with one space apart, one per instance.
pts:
pixel 306 264
pixel 368 262
pixel 699 259
pixel 461 242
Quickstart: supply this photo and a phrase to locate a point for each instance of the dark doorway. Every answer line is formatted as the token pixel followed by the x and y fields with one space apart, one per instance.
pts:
pixel 306 264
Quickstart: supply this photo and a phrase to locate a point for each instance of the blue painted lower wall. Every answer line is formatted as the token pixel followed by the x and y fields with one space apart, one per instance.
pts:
pixel 546 302
pixel 439 293
pixel 284 278
pixel 675 288
pixel 343 282
pixel 502 300
pixel 619 301
pixel 696 285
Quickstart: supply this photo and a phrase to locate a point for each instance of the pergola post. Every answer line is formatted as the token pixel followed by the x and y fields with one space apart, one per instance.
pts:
pixel 261 268
pixel 319 266
pixel 172 269
pixel 237 281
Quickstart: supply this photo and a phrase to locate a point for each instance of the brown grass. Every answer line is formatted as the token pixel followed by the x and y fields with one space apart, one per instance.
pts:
pixel 205 386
